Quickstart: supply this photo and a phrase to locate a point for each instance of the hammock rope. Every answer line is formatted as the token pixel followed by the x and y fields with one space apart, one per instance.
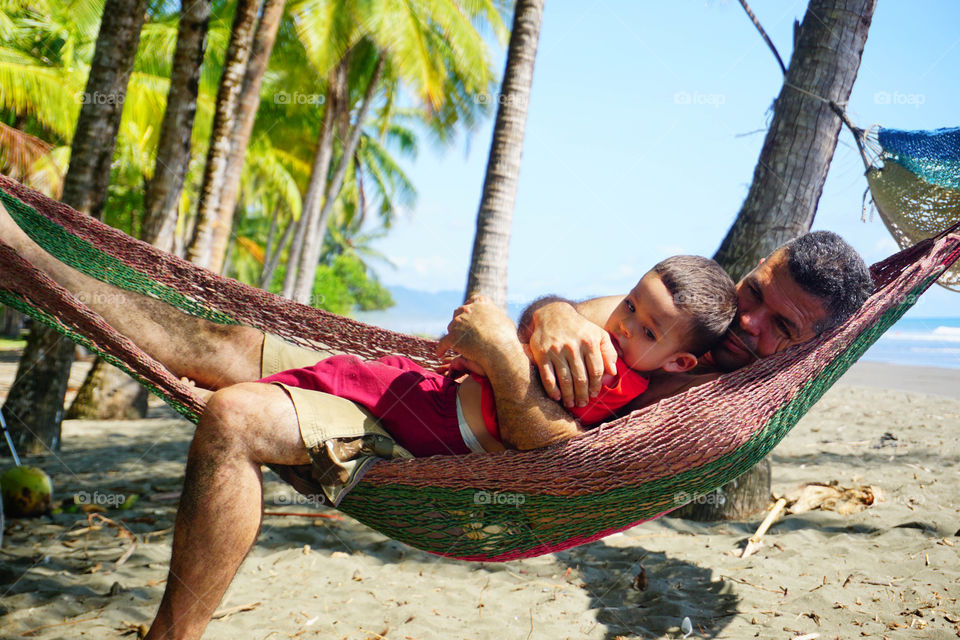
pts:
pixel 482 507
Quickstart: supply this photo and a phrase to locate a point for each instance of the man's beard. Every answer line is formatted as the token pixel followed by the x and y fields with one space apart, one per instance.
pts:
pixel 734 351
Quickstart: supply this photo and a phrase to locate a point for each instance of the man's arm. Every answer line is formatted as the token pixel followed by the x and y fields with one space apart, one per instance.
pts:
pixel 569 345
pixel 596 310
pixel 525 327
pixel 528 418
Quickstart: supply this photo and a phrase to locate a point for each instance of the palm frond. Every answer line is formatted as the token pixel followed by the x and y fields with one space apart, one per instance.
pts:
pixel 485 13
pixel 48 94
pixel 394 188
pixel 19 151
pixel 83 15
pixel 158 43
pixel 47 173
pixel 265 172
pixel 327 29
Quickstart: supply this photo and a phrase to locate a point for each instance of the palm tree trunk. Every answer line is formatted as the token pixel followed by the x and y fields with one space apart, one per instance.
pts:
pixel 271 234
pixel 34 407
pixel 11 323
pixel 311 251
pixel 107 392
pixel 91 150
pixel 798 148
pixel 200 249
pixel 271 249
pixel 788 182
pixel 335 97
pixel 235 220
pixel 248 104
pixel 491 244
pixel 162 199
pixel 270 265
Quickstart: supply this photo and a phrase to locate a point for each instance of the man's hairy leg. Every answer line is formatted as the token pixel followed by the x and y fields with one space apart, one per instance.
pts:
pixel 220 511
pixel 213 355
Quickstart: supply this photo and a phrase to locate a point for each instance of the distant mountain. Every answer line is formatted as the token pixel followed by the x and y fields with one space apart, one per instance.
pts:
pixel 422 312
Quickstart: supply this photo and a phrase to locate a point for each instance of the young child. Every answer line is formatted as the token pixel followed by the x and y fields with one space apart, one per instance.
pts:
pixel 677 311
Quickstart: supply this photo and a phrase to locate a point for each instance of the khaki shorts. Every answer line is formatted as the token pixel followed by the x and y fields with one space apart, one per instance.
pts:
pixel 342 438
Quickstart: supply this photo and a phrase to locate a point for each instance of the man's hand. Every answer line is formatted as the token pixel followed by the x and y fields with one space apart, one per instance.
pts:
pixel 483 334
pixel 571 352
pixel 456 366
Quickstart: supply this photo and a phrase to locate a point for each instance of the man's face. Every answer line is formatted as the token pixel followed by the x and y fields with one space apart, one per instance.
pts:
pixel 773 313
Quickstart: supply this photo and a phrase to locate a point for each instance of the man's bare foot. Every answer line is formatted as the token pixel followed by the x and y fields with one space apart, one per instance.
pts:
pixel 200 392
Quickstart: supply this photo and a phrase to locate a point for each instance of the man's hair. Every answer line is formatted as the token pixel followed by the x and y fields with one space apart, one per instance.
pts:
pixel 824 265
pixel 703 291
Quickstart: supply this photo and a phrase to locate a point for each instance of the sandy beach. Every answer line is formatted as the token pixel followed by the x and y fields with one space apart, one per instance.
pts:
pixel 890 570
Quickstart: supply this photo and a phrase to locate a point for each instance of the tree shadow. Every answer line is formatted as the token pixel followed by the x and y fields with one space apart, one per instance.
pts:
pixel 649 593
pixel 675 589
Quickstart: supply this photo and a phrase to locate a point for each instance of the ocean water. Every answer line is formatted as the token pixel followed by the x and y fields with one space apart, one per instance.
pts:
pixel 929 342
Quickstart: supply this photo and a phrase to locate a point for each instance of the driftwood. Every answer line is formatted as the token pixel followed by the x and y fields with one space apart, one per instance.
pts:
pixel 755 542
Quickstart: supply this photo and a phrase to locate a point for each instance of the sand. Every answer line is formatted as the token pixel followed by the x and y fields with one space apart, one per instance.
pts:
pixel 891 570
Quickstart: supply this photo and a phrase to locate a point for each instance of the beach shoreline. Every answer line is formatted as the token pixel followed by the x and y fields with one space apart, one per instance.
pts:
pixel 937 381
pixel 889 570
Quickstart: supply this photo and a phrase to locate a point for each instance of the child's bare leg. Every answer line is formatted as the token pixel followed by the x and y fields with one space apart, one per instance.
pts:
pixel 213 355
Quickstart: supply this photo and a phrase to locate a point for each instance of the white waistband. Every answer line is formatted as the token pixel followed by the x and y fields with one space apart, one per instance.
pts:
pixel 466 432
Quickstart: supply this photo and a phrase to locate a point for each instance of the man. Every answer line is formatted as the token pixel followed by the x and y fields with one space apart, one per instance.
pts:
pixel 247 424
pixel 802 289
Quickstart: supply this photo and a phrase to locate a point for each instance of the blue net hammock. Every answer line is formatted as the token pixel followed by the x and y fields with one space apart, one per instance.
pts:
pixel 916 191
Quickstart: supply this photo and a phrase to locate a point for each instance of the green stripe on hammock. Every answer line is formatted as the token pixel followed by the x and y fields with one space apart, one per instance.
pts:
pixel 84 257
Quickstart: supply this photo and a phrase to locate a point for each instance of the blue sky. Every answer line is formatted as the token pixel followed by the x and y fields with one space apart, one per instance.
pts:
pixel 645 123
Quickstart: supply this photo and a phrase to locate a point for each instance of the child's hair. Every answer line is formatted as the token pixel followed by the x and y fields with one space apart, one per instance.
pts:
pixel 705 293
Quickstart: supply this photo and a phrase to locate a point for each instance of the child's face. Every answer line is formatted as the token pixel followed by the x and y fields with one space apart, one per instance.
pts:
pixel 648 330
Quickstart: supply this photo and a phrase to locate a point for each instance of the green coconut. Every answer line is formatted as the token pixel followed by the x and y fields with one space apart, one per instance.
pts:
pixel 27 491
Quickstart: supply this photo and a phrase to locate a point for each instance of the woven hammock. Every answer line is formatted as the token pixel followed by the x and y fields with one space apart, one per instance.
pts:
pixel 482 507
pixel 917 190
